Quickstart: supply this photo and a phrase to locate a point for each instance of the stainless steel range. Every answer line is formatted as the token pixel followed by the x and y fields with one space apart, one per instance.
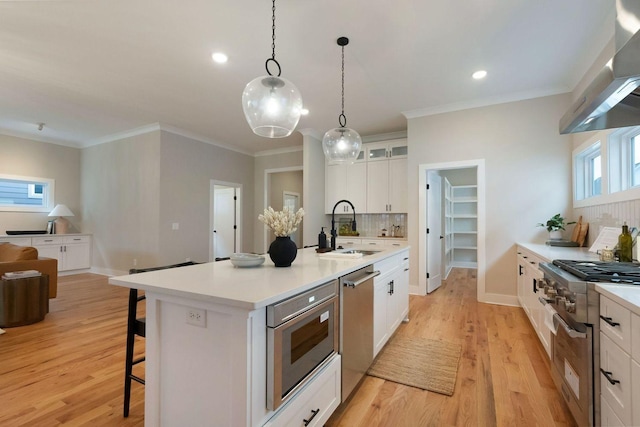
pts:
pixel 568 287
pixel 576 344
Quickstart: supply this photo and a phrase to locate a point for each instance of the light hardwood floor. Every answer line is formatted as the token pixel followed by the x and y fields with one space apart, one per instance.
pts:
pixel 69 368
pixel 503 378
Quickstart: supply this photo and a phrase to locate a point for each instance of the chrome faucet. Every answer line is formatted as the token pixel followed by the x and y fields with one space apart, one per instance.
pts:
pixel 334 233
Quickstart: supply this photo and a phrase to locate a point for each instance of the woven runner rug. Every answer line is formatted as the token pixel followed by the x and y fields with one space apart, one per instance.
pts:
pixel 418 362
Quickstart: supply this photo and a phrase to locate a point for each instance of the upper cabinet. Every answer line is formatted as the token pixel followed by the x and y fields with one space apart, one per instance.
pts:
pixel 394 149
pixel 346 182
pixel 387 176
pixel 375 183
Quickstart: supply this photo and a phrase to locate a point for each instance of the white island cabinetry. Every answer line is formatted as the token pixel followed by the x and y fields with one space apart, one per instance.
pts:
pixel 390 298
pixel 215 374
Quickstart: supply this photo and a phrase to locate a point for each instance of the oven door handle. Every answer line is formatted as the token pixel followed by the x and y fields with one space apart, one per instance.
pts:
pixel 354 283
pixel 557 320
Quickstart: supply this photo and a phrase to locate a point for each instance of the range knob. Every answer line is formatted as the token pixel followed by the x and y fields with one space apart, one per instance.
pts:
pixel 551 292
pixel 570 306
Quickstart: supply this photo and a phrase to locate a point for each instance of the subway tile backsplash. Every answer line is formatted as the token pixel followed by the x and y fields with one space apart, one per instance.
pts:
pixel 609 215
pixel 371 225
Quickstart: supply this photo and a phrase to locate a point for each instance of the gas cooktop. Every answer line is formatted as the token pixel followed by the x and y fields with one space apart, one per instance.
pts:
pixel 601 271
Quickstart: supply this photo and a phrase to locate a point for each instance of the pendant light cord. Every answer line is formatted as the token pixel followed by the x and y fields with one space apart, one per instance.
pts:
pixel 273 41
pixel 273 30
pixel 342 119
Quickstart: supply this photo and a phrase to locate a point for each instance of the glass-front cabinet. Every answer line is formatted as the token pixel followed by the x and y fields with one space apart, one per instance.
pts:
pixel 396 148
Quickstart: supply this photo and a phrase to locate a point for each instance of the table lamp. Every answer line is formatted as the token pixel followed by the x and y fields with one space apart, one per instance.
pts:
pixel 62 224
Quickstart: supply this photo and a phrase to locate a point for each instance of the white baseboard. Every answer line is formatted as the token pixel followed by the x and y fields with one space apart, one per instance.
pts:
pixel 108 271
pixel 500 299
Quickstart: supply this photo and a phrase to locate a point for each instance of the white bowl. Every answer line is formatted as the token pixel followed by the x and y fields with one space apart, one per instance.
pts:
pixel 246 260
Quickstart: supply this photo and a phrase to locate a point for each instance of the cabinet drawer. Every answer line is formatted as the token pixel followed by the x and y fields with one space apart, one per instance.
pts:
pixel 20 241
pixel 75 239
pixel 388 265
pixel 322 394
pixel 635 340
pixel 48 240
pixel 620 334
pixel 608 418
pixel 618 363
pixel 347 242
pixel 373 242
pixel 635 392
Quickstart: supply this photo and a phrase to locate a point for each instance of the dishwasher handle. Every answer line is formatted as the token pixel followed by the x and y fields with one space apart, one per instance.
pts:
pixel 354 283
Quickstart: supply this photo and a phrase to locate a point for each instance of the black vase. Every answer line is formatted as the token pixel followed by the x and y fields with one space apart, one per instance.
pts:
pixel 283 251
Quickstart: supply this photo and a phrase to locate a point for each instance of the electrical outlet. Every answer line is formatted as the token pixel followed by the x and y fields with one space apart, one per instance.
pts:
pixel 196 317
pixel 135 262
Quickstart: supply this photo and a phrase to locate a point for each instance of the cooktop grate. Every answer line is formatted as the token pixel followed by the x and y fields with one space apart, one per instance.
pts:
pixel 601 271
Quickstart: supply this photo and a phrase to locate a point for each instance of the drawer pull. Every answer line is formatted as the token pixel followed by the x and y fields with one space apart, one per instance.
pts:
pixel 610 321
pixel 313 415
pixel 608 376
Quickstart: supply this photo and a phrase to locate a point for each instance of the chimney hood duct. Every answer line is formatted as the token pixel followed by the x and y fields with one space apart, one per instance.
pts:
pixel 612 100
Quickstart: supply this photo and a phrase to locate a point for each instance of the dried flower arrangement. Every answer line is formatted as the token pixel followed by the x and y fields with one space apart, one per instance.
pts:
pixel 283 222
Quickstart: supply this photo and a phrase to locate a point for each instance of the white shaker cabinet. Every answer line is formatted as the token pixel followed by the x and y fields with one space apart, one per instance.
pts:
pixel 73 252
pixel 387 186
pixel 529 294
pixel 619 368
pixel 390 298
pixel 346 182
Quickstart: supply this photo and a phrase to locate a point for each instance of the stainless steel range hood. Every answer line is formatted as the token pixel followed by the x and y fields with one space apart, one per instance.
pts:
pixel 612 100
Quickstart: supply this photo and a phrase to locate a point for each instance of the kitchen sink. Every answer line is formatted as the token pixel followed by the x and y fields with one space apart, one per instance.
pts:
pixel 364 252
pixel 348 253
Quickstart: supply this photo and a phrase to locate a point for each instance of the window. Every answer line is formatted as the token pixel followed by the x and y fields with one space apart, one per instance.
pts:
pixel 588 171
pixel 607 168
pixel 635 160
pixel 26 194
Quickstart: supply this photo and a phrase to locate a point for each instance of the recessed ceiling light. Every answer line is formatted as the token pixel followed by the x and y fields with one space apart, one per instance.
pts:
pixel 219 57
pixel 304 111
pixel 480 74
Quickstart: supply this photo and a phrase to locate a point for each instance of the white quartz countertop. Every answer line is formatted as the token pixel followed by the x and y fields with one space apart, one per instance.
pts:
pixel 549 253
pixel 626 295
pixel 250 288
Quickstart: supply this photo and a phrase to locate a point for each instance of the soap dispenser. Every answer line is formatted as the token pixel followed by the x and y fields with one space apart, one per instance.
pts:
pixel 322 239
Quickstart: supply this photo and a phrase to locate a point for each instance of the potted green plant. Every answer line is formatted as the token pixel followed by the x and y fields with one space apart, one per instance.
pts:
pixel 555 226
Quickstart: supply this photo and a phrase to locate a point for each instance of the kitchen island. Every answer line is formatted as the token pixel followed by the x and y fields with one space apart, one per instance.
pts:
pixel 214 372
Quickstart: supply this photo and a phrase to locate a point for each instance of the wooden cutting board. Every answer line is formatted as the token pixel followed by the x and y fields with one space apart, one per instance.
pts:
pixel 584 230
pixel 576 230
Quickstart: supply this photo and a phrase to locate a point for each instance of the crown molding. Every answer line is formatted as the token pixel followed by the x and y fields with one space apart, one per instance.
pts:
pixel 467 105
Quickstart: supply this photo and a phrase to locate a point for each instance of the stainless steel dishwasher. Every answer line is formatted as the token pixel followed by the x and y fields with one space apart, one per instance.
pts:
pixel 356 326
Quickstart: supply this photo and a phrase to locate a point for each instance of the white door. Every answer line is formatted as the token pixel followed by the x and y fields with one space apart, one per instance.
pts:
pixel 291 201
pixel 434 235
pixel 224 226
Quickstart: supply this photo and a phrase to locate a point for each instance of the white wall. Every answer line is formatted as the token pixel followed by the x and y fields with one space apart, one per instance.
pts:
pixel 25 157
pixel 527 167
pixel 313 184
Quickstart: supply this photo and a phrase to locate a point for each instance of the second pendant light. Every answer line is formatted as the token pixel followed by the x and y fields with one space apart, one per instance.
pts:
pixel 341 144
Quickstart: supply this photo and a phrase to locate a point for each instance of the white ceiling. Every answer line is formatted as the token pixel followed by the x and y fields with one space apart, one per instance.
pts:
pixel 94 69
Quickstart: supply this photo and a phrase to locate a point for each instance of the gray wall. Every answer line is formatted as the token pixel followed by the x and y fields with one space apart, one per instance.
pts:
pixel 121 201
pixel 187 168
pixel 280 182
pixel 262 164
pixel 527 168
pixel 136 188
pixel 26 157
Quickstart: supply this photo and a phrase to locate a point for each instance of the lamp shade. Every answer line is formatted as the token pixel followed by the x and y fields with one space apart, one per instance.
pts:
pixel 272 106
pixel 61 210
pixel 341 145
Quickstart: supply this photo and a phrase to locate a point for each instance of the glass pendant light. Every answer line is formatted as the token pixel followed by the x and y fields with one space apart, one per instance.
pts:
pixel 342 145
pixel 272 105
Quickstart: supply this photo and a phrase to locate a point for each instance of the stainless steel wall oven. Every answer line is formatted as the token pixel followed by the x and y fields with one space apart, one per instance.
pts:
pixel 302 335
